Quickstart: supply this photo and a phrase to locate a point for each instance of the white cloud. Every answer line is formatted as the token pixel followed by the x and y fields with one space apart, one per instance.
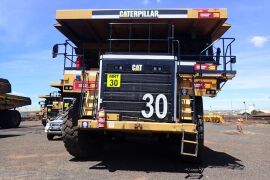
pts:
pixel 17 93
pixel 146 2
pixel 158 1
pixel 259 41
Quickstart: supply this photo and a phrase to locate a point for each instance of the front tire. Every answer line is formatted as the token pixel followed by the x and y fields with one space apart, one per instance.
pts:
pixel 78 143
pixel 50 137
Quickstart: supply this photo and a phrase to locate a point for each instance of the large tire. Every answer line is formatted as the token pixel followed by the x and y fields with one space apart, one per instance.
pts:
pixel 2 118
pixel 79 144
pixel 200 126
pixel 11 119
pixel 50 137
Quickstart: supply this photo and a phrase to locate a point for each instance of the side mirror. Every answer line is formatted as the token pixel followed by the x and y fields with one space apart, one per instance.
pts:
pixel 233 60
pixel 41 102
pixel 55 51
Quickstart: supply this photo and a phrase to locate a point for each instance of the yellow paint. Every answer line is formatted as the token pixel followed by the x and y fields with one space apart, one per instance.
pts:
pixel 140 126
pixel 113 80
pixel 70 78
pixel 217 13
pixel 73 14
pixel 112 117
pixel 213 118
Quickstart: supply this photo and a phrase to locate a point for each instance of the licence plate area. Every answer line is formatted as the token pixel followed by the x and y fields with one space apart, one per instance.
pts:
pixel 145 90
pixel 57 128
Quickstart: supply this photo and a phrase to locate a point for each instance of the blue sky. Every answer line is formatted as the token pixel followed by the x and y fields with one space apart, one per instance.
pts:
pixel 27 35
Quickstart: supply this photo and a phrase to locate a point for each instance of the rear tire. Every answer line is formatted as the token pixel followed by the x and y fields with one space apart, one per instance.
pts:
pixel 11 119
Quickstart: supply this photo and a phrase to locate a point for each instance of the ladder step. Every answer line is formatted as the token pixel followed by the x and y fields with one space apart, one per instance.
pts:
pixel 186 87
pixel 187 117
pixel 183 141
pixel 189 154
pixel 187 111
pixel 190 142
pixel 186 75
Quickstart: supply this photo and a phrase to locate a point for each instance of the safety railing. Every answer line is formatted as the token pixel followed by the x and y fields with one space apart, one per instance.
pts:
pixel 221 56
pixel 70 53
pixel 147 37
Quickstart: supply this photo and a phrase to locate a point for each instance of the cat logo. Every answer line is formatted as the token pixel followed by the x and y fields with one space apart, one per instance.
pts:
pixel 136 67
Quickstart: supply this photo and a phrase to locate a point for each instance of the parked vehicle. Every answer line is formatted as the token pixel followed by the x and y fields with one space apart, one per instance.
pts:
pixel 53 128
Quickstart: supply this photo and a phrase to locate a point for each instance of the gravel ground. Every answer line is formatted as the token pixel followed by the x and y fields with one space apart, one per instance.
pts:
pixel 25 153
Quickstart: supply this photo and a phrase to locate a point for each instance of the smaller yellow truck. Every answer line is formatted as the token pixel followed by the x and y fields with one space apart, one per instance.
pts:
pixel 9 116
pixel 51 106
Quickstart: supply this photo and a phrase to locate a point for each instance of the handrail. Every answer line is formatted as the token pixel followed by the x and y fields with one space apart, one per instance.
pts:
pixel 69 56
pixel 209 46
pixel 224 56
pixel 168 38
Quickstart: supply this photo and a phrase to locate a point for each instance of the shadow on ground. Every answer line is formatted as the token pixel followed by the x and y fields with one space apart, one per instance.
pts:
pixel 156 157
pixel 9 135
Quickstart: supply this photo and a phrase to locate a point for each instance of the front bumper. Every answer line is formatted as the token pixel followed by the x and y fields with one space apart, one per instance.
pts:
pixel 54 132
pixel 86 124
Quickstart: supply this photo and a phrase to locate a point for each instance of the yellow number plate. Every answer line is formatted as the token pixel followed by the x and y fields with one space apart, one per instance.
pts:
pixel 113 80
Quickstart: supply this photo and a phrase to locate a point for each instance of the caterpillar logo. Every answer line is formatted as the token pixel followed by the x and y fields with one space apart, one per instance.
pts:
pixel 136 67
pixel 139 14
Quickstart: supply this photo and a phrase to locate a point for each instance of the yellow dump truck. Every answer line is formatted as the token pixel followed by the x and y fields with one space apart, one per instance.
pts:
pixel 53 104
pixel 9 117
pixel 141 72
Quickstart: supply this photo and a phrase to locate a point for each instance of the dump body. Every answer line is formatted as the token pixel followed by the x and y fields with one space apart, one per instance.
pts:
pixel 10 118
pixel 142 71
pixel 9 101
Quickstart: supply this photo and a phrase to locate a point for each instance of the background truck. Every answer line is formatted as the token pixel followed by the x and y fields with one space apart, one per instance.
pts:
pixel 9 117
pixel 141 72
pixel 51 106
pixel 54 104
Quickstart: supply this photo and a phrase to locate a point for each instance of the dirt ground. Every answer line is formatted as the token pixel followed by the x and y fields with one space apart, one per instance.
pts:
pixel 25 153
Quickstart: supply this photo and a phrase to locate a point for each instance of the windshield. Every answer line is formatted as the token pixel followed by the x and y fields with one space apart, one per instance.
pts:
pixel 60 117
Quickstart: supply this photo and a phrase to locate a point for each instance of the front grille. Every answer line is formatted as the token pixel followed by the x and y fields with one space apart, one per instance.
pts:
pixel 127 100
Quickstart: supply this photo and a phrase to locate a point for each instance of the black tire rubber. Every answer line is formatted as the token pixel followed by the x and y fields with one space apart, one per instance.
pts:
pixel 50 137
pixel 10 119
pixel 2 118
pixel 79 144
pixel 44 122
pixel 200 127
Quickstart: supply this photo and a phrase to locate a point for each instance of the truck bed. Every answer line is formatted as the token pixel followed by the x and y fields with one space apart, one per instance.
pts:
pixel 9 101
